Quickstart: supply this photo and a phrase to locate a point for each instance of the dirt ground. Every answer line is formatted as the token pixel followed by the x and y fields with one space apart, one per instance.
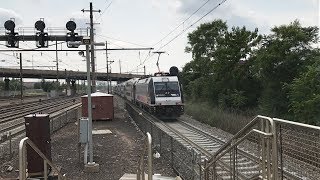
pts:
pixel 116 153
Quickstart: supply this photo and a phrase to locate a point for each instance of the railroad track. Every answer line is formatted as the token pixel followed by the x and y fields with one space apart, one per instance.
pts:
pixel 15 124
pixel 207 144
pixel 12 107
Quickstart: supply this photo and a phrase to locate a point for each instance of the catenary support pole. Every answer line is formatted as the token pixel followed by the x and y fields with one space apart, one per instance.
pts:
pixel 93 66
pixel 21 82
pixel 89 106
pixel 107 66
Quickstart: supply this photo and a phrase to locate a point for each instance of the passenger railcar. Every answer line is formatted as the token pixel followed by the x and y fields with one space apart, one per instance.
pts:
pixel 129 89
pixel 161 95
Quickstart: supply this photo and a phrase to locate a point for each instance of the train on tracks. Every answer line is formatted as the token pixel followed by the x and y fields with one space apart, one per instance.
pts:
pixel 161 94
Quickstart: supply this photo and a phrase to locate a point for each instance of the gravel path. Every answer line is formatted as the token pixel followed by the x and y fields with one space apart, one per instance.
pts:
pixel 116 153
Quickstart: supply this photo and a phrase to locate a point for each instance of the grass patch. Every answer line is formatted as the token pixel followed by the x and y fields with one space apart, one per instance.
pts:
pixel 231 122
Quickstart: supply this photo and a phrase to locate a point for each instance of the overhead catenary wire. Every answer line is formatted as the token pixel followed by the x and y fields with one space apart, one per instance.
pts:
pixel 46 54
pixel 108 37
pixel 214 8
pixel 181 32
pixel 105 9
pixel 181 23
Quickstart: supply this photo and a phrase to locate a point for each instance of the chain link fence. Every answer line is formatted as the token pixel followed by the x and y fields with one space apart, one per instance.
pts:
pixel 185 161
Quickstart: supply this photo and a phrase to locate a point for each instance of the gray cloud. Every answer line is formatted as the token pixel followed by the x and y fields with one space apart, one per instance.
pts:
pixel 6 14
pixel 227 11
pixel 82 21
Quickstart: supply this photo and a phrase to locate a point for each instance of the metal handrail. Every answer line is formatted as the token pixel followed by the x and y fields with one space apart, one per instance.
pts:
pixel 140 169
pixel 22 160
pixel 233 142
pixel 296 123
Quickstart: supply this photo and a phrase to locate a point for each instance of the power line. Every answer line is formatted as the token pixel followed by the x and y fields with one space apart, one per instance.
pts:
pixel 149 56
pixel 214 8
pixel 103 36
pixel 105 9
pixel 181 23
pixel 46 54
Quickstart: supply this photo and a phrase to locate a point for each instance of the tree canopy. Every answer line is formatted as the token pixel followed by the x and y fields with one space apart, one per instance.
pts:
pixel 236 68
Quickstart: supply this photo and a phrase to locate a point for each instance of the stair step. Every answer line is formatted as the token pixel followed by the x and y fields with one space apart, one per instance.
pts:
pixel 154 177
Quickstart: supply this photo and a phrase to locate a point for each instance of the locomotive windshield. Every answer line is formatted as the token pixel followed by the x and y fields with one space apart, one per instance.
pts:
pixel 165 89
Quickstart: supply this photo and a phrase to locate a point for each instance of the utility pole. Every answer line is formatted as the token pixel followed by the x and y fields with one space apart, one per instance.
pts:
pixel 144 70
pixel 89 106
pixel 93 67
pixel 107 66
pixel 57 62
pixel 21 83
pixel 32 61
pixel 120 65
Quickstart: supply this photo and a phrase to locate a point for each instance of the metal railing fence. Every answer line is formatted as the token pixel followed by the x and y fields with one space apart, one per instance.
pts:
pixel 23 160
pixel 235 160
pixel 147 148
pixel 267 148
pixel 184 160
pixel 299 150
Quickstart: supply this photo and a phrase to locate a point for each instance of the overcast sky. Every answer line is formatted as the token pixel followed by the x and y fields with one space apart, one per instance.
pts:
pixel 143 23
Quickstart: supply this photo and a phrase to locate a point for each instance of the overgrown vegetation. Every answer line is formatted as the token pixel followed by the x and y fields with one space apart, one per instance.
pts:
pixel 14 85
pixel 238 70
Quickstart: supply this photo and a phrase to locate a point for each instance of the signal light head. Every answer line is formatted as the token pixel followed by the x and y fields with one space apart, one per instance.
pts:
pixel 40 25
pixel 9 25
pixel 71 26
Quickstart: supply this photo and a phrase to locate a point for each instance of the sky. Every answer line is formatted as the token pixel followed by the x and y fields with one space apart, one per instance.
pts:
pixel 140 24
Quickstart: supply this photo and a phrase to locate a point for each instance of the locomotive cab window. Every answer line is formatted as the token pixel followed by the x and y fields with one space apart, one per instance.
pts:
pixel 167 89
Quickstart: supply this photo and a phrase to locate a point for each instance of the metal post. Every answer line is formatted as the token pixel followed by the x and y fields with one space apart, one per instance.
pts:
pixel 263 151
pixel 92 50
pixel 32 61
pixel 150 170
pixel 10 144
pixel 21 83
pixel 107 66
pixel 120 65
pixel 144 70
pixel 85 158
pixel 89 105
pixel 22 160
pixel 57 61
pixel 45 170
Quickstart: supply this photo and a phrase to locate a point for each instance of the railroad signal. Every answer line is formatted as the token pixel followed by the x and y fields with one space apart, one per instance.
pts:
pixel 72 36
pixel 12 37
pixel 41 36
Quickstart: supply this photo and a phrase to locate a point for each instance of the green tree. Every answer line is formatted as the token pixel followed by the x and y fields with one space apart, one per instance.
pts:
pixel 304 95
pixel 284 54
pixel 221 67
pixel 48 86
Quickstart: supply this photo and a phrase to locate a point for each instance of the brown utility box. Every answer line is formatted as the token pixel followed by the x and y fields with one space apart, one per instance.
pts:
pixel 38 131
pixel 102 106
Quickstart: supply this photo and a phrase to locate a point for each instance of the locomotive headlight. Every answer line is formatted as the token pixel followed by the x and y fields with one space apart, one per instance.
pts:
pixel 165 79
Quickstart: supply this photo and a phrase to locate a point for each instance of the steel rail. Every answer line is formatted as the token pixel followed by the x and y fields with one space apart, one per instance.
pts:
pixel 19 121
